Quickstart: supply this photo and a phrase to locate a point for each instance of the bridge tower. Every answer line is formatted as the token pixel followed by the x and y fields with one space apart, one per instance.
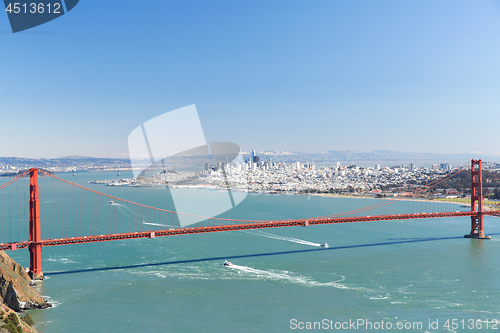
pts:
pixel 35 246
pixel 476 196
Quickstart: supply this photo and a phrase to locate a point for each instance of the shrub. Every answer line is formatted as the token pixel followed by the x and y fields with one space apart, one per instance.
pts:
pixel 28 320
pixel 13 318
pixel 12 324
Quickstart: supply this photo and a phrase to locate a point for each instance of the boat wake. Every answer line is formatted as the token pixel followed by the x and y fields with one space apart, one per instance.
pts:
pixel 116 204
pixel 250 272
pixel 288 239
pixel 239 272
pixel 122 208
pixel 155 224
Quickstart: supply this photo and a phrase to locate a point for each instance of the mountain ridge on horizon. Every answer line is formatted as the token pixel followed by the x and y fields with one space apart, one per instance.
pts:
pixel 324 156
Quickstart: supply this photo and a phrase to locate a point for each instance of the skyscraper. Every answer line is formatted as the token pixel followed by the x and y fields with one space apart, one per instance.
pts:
pixel 255 158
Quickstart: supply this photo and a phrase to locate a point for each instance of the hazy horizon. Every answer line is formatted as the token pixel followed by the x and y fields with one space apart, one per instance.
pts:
pixel 399 156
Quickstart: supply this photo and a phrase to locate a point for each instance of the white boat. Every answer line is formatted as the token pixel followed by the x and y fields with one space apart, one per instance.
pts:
pixel 324 245
pixel 227 263
pixel 111 202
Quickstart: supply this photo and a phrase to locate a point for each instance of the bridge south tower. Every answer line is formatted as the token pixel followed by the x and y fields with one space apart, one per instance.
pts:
pixel 35 246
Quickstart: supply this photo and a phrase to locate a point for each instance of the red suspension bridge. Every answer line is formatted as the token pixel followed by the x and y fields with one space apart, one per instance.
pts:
pixel 73 214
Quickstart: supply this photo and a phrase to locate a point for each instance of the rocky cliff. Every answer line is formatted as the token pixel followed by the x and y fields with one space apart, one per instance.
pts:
pixel 15 289
pixel 10 322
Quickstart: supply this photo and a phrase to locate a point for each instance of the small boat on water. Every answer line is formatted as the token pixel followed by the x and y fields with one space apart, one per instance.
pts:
pixel 227 263
pixel 324 245
pixel 111 202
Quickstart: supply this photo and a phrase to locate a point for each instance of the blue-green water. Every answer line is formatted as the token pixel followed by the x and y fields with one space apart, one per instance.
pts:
pixel 395 271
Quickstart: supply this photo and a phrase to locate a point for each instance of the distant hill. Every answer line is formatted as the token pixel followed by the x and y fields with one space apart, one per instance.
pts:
pixel 67 161
pixel 74 157
pixel 277 156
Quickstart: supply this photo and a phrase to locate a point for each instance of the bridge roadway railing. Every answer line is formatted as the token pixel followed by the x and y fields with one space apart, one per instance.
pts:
pixel 241 226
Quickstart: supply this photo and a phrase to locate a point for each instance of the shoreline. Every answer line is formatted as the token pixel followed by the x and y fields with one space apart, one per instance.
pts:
pixel 486 206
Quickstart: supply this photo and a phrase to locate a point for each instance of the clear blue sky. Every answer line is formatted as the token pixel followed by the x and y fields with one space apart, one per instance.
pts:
pixel 414 76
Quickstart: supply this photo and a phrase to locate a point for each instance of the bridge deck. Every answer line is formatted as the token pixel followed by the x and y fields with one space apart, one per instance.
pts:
pixel 242 226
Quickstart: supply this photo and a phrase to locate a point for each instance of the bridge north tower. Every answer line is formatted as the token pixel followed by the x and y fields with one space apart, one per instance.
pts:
pixel 476 197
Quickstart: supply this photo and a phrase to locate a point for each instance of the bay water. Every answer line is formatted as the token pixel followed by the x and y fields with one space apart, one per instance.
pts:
pixel 412 274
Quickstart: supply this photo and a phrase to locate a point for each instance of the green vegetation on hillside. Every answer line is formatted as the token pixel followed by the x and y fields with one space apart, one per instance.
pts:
pixel 12 323
pixel 462 181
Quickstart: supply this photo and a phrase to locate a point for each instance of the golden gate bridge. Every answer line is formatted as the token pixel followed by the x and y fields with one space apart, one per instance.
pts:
pixel 85 216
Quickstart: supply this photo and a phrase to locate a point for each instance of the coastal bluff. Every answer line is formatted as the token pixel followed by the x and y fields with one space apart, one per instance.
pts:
pixel 11 322
pixel 15 287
